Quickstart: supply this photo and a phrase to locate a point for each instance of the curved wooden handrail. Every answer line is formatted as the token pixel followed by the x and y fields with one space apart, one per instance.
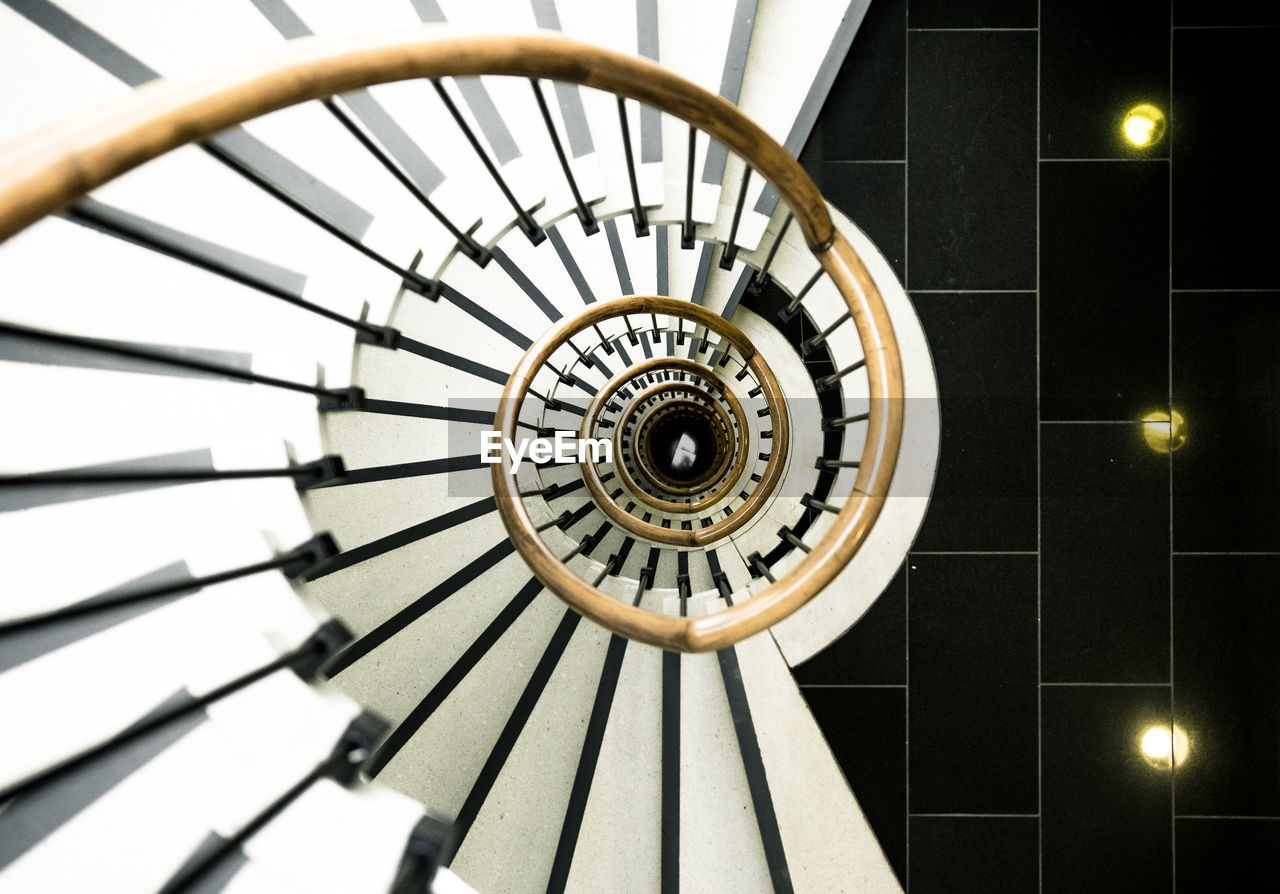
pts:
pixel 708 376
pixel 516 517
pixel 726 471
pixel 47 171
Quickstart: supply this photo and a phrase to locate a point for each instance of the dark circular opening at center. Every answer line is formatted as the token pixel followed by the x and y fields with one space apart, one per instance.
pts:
pixel 682 446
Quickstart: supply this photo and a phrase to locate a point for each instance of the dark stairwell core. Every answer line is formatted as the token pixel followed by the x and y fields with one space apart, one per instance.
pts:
pixel 1081 601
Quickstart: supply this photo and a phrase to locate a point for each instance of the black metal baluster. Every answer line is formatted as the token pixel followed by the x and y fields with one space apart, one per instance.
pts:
pixel 808 502
pixel 524 220
pixel 293 564
pixel 638 214
pixel 761 277
pixel 467 245
pixel 825 383
pixel 216 259
pixel 346 398
pixel 730 253
pixel 762 570
pixel 305 661
pixel 830 465
pixel 342 765
pixel 558 522
pixel 585 215
pixel 816 341
pixel 793 308
pixel 831 424
pixel 413 280
pixel 790 537
pixel 307 475
pixel 688 229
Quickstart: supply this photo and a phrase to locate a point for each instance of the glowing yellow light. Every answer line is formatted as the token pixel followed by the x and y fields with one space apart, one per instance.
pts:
pixel 1161 435
pixel 1144 125
pixel 1162 748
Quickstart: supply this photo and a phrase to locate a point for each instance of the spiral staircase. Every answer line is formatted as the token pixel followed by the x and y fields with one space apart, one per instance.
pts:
pixel 270 619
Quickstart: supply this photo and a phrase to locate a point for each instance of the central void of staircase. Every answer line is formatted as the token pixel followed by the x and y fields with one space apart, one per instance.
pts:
pixel 271 621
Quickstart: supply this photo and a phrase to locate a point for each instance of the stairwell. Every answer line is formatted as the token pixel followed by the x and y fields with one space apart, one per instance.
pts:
pixel 299 647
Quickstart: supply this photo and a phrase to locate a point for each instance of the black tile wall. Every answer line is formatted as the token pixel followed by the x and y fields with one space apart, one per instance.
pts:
pixel 872 194
pixel 971 160
pixel 871 80
pixel 1226 684
pixel 1104 289
pixel 984 353
pixel 1226 383
pixel 975 855
pixel 1106 817
pixel 1226 184
pixel 1225 12
pixel 1227 856
pixel 1104 593
pixel 973 710
pixel 1090 77
pixel 1075 588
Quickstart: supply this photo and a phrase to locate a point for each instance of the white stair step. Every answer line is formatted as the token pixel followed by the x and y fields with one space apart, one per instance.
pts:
pixel 497 292
pixel 160 50
pixel 392 677
pixel 707 44
pixel 369 440
pixel 333 840
pixel 828 843
pixel 619 844
pixel 69 83
pixel 715 801
pixel 514 99
pixel 617 27
pixel 464 192
pixel 141 295
pixel 127 540
pixel 365 593
pixel 403 375
pixel 106 681
pixel 442 761
pixel 253 746
pixel 133 414
pixel 536 779
pixel 360 514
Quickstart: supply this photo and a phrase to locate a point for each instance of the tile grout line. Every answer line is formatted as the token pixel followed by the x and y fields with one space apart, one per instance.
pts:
pixel 906 564
pixel 979 815
pixel 1099 683
pixel 906 710
pixel 1039 499
pixel 852 685
pixel 1173 757
pixel 972 29
pixel 1183 552
pixel 974 552
pixel 1145 158
pixel 1214 816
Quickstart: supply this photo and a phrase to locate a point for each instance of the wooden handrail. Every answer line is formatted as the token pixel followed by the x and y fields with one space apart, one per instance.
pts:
pixel 516 517
pixel 735 412
pixel 45 172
